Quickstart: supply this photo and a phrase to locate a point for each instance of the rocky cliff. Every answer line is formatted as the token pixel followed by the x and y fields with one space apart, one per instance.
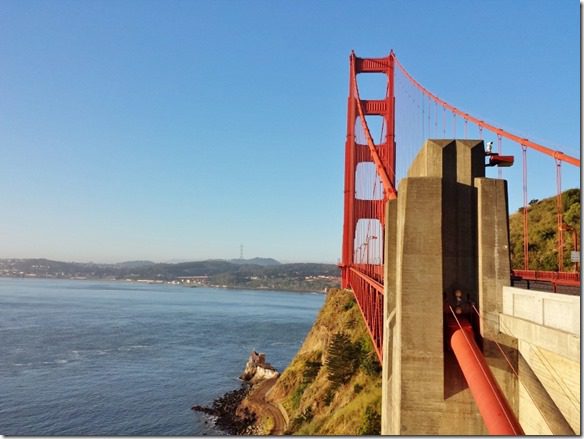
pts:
pixel 333 385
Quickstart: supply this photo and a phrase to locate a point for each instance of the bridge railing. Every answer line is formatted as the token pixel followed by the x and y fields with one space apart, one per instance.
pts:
pixel 369 296
pixel 546 275
pixel 554 278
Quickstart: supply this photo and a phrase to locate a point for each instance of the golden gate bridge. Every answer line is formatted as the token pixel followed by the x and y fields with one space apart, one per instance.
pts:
pixel 405 117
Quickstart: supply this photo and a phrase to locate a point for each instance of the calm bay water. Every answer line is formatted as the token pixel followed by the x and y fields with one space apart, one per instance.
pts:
pixel 112 358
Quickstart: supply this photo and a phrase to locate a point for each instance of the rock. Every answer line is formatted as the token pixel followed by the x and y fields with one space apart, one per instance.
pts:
pixel 256 368
pixel 224 411
pixel 203 409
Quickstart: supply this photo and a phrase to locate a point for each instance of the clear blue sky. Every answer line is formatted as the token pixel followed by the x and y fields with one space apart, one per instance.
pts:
pixel 181 129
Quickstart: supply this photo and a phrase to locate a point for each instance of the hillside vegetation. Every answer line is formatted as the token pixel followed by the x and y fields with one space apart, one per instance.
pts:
pixel 333 385
pixel 542 218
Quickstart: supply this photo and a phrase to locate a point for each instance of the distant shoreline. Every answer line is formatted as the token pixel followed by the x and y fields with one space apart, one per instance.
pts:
pixel 262 289
pixel 169 284
pixel 296 277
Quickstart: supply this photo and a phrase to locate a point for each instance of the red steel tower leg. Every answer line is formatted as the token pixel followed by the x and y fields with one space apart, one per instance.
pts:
pixel 349 216
pixel 355 154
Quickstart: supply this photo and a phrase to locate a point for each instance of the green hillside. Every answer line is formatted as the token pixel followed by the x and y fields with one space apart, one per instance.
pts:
pixel 333 385
pixel 542 218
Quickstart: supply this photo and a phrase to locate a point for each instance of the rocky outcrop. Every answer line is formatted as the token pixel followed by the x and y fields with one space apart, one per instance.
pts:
pixel 224 413
pixel 256 369
pixel 228 412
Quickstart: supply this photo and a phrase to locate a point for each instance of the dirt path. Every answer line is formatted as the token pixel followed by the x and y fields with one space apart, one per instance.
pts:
pixel 258 401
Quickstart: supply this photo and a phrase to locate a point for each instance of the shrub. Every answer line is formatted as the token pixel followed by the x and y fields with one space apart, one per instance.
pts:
pixel 310 371
pixel 370 364
pixel 349 304
pixel 294 425
pixel 305 417
pixel 297 395
pixel 371 424
pixel 329 395
pixel 307 414
pixel 357 388
pixel 572 216
pixel 368 361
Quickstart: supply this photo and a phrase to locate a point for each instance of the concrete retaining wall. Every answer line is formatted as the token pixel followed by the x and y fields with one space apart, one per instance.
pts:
pixel 547 326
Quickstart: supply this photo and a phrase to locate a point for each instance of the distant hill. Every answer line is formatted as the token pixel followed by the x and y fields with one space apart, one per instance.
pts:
pixel 255 261
pixel 257 273
pixel 542 218
pixel 133 264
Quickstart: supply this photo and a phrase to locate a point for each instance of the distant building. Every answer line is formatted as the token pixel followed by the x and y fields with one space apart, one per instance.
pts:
pixel 193 280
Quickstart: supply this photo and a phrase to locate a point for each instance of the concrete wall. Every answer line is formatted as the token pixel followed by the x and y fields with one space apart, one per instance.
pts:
pixel 552 310
pixel 418 362
pixel 547 326
pixel 433 254
pixel 389 311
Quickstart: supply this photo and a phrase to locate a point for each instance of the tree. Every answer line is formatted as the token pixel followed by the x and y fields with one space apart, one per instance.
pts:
pixel 342 359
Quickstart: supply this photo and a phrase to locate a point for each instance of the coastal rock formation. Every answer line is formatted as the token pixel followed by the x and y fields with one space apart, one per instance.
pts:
pixel 224 409
pixel 235 412
pixel 256 369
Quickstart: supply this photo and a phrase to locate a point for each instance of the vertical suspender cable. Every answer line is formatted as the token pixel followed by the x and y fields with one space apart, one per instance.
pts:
pixel 429 119
pixel 436 119
pixel 444 121
pixel 525 211
pixel 500 152
pixel 560 215
pixel 423 114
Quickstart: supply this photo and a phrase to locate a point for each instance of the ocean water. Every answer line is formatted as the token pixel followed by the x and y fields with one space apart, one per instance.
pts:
pixel 113 358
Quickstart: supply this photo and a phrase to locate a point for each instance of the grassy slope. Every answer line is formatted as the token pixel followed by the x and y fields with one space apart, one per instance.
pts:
pixel 542 218
pixel 345 412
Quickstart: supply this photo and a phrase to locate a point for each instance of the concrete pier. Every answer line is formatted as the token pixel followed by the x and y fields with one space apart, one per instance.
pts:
pixel 435 253
pixel 446 232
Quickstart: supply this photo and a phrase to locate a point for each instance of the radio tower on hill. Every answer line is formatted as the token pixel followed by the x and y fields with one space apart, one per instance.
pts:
pixel 241 252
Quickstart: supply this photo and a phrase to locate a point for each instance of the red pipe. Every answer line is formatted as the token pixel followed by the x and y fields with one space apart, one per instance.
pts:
pixel 492 405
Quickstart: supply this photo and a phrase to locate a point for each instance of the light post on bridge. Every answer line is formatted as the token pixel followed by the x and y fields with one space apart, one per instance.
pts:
pixel 358 254
pixel 366 244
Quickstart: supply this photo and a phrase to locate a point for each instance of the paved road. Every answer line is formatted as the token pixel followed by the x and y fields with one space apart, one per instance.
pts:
pixel 264 407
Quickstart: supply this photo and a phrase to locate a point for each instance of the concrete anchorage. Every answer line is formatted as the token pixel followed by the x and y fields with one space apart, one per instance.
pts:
pixel 447 231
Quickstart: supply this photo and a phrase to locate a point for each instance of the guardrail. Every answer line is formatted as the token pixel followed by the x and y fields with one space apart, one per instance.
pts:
pixel 561 278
